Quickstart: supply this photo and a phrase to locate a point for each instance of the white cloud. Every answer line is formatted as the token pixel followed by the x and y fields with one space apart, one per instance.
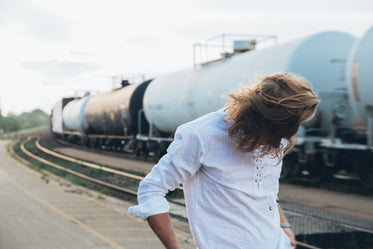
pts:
pixel 60 69
pixel 24 17
pixel 296 6
pixel 49 49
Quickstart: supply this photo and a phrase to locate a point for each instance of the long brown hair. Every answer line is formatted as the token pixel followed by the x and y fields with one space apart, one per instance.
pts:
pixel 273 109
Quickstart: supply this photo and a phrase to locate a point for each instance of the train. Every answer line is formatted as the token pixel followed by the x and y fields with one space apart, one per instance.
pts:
pixel 142 118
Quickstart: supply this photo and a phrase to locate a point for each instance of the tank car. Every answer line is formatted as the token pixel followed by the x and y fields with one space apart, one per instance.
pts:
pixel 360 80
pixel 115 112
pixel 74 114
pixel 182 96
pixel 339 136
pixel 56 118
pixel 109 119
pixel 353 148
pixel 113 117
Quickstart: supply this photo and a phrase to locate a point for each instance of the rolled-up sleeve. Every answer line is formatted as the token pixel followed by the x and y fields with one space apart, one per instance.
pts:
pixel 181 162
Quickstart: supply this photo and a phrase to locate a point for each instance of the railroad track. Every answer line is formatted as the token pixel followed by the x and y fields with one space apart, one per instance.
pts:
pixel 51 155
pixel 131 194
pixel 340 183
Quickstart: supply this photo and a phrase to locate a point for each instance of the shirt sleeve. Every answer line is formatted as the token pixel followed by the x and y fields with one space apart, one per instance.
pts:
pixel 181 162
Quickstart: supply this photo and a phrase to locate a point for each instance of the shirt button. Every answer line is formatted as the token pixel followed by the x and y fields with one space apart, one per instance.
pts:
pixel 270 208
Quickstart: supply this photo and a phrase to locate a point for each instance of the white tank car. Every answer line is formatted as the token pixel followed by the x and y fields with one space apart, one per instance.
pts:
pixel 56 118
pixel 360 77
pixel 173 99
pixel 74 115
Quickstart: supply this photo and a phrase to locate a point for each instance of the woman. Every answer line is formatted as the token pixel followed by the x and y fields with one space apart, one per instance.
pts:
pixel 229 163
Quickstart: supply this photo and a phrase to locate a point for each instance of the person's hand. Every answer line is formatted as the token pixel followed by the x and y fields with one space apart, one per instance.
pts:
pixel 291 235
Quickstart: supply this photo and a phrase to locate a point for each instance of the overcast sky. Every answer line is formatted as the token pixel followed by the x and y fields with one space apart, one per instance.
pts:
pixel 50 48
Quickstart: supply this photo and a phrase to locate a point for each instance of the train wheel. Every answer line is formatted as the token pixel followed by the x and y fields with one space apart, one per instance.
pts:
pixel 91 143
pixel 366 173
pixel 136 149
pixel 160 150
pixel 145 149
pixel 290 166
pixel 317 170
pixel 85 141
pixel 139 148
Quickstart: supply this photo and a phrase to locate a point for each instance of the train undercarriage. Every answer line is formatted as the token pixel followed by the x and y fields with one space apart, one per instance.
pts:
pixel 317 161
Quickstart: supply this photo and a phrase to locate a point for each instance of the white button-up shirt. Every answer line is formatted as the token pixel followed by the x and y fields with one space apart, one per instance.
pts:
pixel 230 196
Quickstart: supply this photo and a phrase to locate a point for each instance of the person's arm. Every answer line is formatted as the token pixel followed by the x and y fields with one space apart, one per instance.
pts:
pixel 180 163
pixel 286 228
pixel 161 226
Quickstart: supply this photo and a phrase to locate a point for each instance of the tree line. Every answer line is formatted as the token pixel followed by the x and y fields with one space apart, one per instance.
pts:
pixel 26 120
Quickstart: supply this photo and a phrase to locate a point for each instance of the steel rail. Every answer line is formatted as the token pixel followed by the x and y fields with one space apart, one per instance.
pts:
pixel 180 188
pixel 108 185
pixel 307 245
pixel 105 184
pixel 354 227
pixel 91 165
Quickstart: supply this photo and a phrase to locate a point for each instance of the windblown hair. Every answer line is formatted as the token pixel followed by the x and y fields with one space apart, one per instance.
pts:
pixel 273 109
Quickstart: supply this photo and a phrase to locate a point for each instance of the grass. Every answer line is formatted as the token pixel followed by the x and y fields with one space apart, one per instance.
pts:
pixel 94 173
pixel 41 167
pixel 114 179
pixel 21 134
